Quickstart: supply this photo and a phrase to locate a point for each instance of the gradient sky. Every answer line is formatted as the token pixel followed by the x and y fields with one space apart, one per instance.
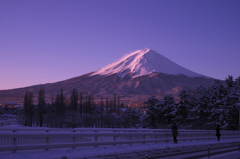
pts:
pixel 46 41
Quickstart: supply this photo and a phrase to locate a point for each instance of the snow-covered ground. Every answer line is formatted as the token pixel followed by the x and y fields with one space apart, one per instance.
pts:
pixel 86 152
pixel 229 155
pixel 8 120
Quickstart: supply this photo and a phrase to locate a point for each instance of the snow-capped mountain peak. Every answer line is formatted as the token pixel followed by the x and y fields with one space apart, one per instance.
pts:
pixel 143 62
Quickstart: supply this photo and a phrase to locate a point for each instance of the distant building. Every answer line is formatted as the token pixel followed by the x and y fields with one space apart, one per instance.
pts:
pixel 10 105
pixel 18 106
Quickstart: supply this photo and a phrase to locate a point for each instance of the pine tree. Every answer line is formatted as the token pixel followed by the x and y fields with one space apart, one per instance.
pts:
pixel 168 110
pixel 81 104
pixel 101 112
pixel 74 100
pixel 118 105
pixel 60 108
pixel 28 108
pixel 151 112
pixel 115 102
pixel 41 105
pixel 74 107
pixel 183 108
pixel 107 104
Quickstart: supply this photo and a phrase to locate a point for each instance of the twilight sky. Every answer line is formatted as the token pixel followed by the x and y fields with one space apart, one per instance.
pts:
pixel 44 41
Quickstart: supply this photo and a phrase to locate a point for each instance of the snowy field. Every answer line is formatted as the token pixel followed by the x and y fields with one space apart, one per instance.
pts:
pixel 229 155
pixel 92 152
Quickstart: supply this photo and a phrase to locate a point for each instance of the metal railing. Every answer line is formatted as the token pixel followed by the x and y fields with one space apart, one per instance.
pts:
pixel 48 138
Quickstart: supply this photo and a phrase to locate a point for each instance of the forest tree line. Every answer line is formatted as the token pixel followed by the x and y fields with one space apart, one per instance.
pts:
pixel 203 108
pixel 80 110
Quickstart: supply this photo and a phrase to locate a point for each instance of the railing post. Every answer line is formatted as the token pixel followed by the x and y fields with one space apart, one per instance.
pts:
pixel 14 142
pixel 114 138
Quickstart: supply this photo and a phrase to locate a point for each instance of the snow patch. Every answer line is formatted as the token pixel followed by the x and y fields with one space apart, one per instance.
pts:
pixel 144 62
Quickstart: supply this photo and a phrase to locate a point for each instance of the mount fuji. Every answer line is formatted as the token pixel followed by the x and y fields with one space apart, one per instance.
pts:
pixel 144 62
pixel 135 77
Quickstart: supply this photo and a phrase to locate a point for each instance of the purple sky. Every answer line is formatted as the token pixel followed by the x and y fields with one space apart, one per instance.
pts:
pixel 51 40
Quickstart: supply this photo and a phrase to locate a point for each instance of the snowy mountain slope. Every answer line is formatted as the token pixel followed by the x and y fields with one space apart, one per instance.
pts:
pixel 135 78
pixel 144 62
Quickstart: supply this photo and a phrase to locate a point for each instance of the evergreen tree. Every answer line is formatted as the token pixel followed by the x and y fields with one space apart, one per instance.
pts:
pixel 81 104
pixel 151 112
pixel 114 103
pixel 60 108
pixel 74 100
pixel 107 104
pixel 169 110
pixel 41 105
pixel 101 112
pixel 131 117
pixel 118 105
pixel 28 108
pixel 73 108
pixel 182 108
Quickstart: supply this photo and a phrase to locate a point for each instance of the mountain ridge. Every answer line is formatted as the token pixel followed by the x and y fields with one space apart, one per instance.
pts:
pixel 133 77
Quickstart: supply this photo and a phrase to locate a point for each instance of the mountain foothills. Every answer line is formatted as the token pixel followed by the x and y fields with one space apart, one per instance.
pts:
pixel 134 78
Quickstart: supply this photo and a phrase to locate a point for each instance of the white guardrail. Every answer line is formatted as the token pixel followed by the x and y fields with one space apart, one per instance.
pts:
pixel 47 138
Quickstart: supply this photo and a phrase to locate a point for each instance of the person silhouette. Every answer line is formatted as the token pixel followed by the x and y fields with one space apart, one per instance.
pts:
pixel 175 132
pixel 218 134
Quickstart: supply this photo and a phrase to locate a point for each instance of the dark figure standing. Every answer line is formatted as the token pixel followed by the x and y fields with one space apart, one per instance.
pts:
pixel 175 132
pixel 218 134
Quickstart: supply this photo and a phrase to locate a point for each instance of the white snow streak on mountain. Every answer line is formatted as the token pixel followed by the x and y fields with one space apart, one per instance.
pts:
pixel 143 62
